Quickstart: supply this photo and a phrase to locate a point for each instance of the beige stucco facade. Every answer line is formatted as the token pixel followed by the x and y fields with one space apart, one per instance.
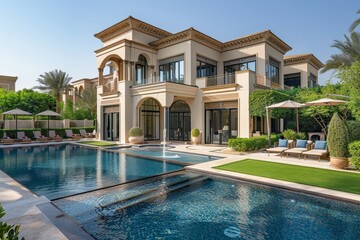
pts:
pixel 160 81
pixel 8 82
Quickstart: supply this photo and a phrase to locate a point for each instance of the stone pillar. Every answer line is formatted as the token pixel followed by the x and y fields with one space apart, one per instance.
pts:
pixel 151 75
pixel 101 77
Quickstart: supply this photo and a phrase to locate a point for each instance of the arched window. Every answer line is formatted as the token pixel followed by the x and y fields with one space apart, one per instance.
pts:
pixel 180 121
pixel 140 70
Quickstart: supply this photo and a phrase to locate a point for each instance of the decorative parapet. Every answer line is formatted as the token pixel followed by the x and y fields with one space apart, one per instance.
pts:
pixel 128 24
pixel 303 58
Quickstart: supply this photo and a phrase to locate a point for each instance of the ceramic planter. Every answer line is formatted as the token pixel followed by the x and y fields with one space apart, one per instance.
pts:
pixel 136 139
pixel 339 162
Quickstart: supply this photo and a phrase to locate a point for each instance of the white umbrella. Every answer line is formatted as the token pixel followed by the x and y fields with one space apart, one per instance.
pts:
pixel 325 102
pixel 285 104
pixel 16 112
pixel 48 113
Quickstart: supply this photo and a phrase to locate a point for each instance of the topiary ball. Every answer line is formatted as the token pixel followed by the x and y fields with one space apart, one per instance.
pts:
pixel 135 132
pixel 195 132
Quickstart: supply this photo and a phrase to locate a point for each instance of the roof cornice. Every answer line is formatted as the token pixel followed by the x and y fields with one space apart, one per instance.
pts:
pixel 193 34
pixel 303 58
pixel 129 24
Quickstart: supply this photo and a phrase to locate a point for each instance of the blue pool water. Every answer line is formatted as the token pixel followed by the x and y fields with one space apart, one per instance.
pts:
pixel 158 152
pixel 60 170
pixel 211 208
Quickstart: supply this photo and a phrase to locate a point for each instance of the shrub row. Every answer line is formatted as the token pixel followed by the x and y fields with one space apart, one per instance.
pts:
pixel 251 144
pixel 29 132
pixel 354 130
pixel 354 149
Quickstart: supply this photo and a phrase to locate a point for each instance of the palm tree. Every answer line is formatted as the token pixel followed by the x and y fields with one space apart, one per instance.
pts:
pixel 56 83
pixel 350 52
pixel 355 23
pixel 88 99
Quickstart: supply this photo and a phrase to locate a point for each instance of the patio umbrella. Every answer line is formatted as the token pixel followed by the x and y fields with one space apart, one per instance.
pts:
pixel 49 114
pixel 325 102
pixel 16 112
pixel 285 104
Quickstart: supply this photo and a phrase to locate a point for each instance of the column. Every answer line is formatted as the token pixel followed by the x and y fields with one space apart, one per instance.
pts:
pixel 151 75
pixel 166 125
pixel 101 78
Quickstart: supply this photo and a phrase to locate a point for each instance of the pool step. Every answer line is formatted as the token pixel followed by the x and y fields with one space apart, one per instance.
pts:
pixel 120 205
pixel 149 191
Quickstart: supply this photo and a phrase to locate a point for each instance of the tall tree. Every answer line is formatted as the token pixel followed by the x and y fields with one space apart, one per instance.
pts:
pixel 355 23
pixel 55 82
pixel 350 52
pixel 88 100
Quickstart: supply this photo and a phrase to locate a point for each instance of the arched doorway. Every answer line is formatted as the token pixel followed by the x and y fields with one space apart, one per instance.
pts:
pixel 180 121
pixel 141 70
pixel 150 119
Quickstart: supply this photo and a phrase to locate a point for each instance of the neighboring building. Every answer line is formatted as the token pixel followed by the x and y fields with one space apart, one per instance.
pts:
pixel 301 70
pixel 157 80
pixel 79 86
pixel 8 82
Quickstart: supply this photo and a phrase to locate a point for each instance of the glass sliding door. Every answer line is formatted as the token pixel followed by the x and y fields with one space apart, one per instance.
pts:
pixel 111 123
pixel 150 119
pixel 220 125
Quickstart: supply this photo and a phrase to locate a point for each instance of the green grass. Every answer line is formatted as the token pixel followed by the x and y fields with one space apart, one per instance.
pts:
pixel 99 143
pixel 330 179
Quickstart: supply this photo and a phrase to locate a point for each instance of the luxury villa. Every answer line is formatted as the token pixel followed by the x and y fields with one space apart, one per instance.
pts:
pixel 169 83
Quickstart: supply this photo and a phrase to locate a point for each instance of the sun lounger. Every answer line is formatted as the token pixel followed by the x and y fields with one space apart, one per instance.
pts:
pixel 282 146
pixel 8 141
pixel 319 150
pixel 300 147
pixel 40 138
pixel 69 134
pixel 21 137
pixel 84 134
pixel 53 136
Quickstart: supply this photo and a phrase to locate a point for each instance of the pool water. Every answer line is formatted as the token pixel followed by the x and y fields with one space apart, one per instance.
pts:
pixel 158 152
pixel 61 170
pixel 191 206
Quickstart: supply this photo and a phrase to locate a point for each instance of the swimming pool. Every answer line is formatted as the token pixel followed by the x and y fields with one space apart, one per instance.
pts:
pixel 158 152
pixel 193 206
pixel 60 170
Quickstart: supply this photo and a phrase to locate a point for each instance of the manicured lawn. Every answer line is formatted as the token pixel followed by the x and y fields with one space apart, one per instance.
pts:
pixel 336 180
pixel 99 143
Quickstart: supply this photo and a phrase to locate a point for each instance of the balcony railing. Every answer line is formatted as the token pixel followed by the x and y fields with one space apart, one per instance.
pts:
pixel 220 80
pixel 156 80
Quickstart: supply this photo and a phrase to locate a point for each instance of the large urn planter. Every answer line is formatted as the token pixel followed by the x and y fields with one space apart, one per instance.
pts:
pixel 136 139
pixel 339 162
pixel 195 136
pixel 136 135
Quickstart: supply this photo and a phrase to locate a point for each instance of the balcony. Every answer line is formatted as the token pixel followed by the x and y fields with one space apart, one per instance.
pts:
pixel 220 80
pixel 110 87
pixel 157 79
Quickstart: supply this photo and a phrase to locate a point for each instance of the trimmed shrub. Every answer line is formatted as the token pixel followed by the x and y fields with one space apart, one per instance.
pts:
pixel 10 232
pixel 354 149
pixel 135 132
pixel 289 134
pixel 354 130
pixel 338 138
pixel 195 132
pixel 251 144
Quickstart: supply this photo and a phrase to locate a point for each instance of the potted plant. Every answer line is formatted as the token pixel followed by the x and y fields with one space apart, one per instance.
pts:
pixel 338 141
pixel 136 135
pixel 195 133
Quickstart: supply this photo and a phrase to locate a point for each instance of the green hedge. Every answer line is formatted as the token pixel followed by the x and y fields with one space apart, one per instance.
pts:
pixel 251 144
pixel 354 149
pixel 29 132
pixel 354 130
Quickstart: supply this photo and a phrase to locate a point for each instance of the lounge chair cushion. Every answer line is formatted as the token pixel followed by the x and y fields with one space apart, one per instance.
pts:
pixel 301 143
pixel 283 143
pixel 320 145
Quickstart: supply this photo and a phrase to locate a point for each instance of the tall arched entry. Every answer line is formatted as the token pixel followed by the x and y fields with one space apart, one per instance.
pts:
pixel 141 70
pixel 150 119
pixel 180 121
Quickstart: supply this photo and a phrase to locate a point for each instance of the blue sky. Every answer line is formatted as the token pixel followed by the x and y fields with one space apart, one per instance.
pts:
pixel 40 36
